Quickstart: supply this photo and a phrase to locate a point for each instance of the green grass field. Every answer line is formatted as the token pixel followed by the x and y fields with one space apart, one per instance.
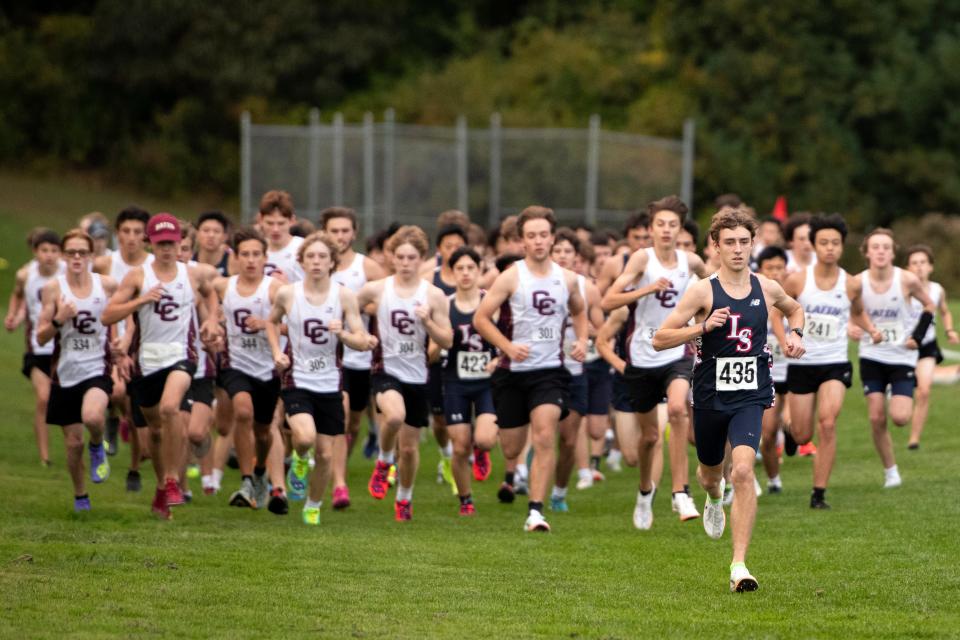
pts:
pixel 881 564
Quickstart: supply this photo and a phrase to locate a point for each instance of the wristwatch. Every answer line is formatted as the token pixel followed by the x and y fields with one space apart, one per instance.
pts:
pixel 798 331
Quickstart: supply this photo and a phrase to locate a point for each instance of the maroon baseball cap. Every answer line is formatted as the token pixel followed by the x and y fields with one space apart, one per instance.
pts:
pixel 163 227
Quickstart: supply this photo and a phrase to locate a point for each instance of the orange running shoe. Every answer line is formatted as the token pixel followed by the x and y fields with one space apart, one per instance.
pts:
pixel 173 493
pixel 481 464
pixel 403 510
pixel 808 449
pixel 468 509
pixel 378 480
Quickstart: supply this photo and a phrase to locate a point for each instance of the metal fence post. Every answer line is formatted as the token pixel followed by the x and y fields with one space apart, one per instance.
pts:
pixel 462 203
pixel 686 184
pixel 368 173
pixel 245 169
pixel 313 166
pixel 389 130
pixel 338 159
pixel 593 169
pixel 493 217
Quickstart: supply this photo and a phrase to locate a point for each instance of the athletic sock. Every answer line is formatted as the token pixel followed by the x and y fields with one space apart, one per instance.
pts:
pixel 84 496
pixel 250 478
pixel 259 471
pixel 595 462
pixel 737 565
pixel 467 499
pixel 819 493
pixel 311 504
pixel 584 474
pixel 522 471
pixel 508 477
pixel 404 493
pixel 216 477
pixel 535 506
pixel 385 456
pixel 686 489
pixel 447 451
pixel 559 492
pixel 645 493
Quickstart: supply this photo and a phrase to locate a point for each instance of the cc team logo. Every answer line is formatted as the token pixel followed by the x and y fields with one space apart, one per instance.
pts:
pixel 315 331
pixel 165 307
pixel 667 298
pixel 544 303
pixel 402 322
pixel 240 319
pixel 83 322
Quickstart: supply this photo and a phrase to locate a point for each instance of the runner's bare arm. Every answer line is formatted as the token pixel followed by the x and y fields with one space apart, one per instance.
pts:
pixel 695 303
pixel 436 317
pixel 607 334
pixel 617 296
pixel 578 316
pixel 281 305
pixel 49 301
pixel 947 319
pixel 791 309
pixel 501 290
pixel 17 304
pixel 858 315
pixel 353 334
pixel 127 300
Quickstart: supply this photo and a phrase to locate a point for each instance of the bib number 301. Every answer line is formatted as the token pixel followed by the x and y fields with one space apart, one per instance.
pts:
pixel 736 374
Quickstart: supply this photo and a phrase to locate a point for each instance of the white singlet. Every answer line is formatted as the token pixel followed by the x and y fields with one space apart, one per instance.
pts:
pixel 32 294
pixel 165 329
pixel 649 312
pixel 827 313
pixel 82 349
pixel 286 260
pixel 402 351
pixel 353 278
pixel 778 368
pixel 247 351
pixel 891 314
pixel 314 352
pixel 534 315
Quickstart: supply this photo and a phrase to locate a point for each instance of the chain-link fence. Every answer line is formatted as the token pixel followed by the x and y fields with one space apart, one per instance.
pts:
pixel 409 173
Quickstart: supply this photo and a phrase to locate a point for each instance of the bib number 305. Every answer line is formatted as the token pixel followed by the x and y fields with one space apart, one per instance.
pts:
pixel 736 374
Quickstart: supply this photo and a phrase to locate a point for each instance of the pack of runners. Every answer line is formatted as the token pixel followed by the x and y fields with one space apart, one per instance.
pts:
pixel 264 347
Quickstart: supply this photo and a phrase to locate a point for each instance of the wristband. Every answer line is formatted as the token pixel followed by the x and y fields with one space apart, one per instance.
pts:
pixel 56 325
pixel 704 327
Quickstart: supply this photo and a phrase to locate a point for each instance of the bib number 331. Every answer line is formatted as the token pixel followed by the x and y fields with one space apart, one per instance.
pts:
pixel 736 374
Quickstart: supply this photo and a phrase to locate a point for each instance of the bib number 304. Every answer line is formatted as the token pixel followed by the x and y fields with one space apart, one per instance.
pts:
pixel 736 374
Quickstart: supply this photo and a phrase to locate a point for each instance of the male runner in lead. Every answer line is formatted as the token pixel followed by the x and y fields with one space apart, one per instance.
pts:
pixel 732 385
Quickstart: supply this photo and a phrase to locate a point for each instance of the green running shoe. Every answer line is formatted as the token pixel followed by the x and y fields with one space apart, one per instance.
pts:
pixel 297 477
pixel 311 515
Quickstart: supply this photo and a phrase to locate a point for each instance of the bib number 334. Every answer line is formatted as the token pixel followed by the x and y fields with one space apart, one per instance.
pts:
pixel 736 374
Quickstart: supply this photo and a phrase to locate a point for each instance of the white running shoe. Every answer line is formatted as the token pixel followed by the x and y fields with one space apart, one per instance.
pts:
pixel 892 480
pixel 613 460
pixel 756 487
pixel 536 522
pixel 727 495
pixel 683 505
pixel 741 580
pixel 714 519
pixel 643 512
pixel 585 482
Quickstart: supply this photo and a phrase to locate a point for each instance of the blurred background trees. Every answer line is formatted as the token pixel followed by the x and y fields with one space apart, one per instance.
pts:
pixel 847 106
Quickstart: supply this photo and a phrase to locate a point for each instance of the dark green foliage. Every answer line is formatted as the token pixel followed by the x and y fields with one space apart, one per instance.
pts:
pixel 849 105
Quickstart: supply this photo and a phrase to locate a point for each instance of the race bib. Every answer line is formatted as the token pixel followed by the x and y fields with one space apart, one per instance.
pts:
pixel 646 333
pixel 409 347
pixel 822 328
pixel 251 343
pixel 317 364
pixel 84 344
pixel 546 334
pixel 892 332
pixel 472 365
pixel 158 355
pixel 737 374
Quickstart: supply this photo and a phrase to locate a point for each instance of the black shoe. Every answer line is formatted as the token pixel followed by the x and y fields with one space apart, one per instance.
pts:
pixel 818 503
pixel 506 494
pixel 113 428
pixel 789 444
pixel 774 490
pixel 278 503
pixel 370 448
pixel 913 446
pixel 232 460
pixel 133 481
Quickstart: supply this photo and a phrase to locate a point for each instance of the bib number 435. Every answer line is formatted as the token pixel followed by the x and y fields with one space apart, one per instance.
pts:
pixel 736 374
